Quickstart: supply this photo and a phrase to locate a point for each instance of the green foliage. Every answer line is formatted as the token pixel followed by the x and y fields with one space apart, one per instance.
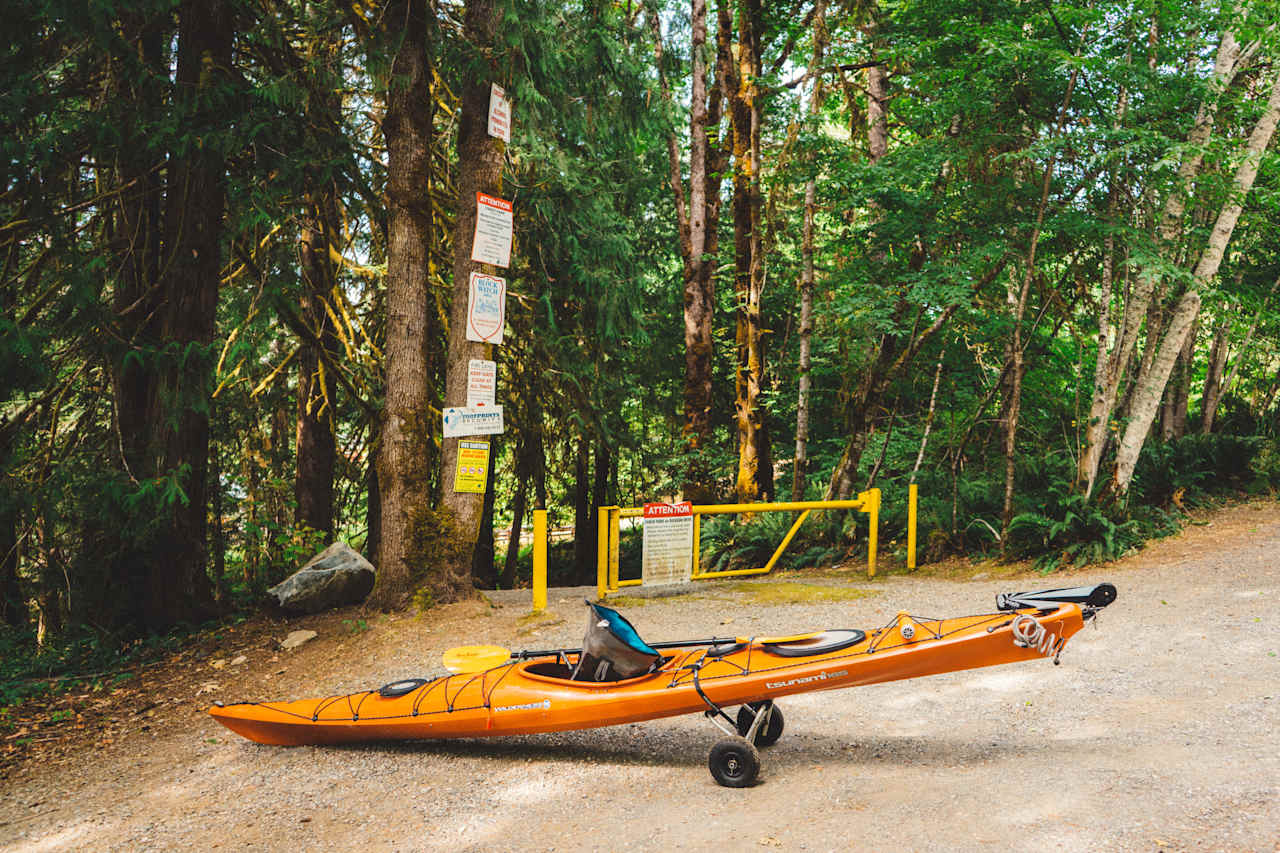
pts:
pixel 1072 531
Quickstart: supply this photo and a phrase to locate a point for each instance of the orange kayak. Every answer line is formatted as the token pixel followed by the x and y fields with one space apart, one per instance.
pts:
pixel 535 692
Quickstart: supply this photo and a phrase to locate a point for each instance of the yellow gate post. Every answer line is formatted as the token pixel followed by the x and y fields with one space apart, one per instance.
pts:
pixel 615 544
pixel 913 495
pixel 602 553
pixel 539 559
pixel 873 535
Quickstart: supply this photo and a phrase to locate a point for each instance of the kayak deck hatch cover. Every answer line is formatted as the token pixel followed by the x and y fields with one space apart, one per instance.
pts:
pixel 617 678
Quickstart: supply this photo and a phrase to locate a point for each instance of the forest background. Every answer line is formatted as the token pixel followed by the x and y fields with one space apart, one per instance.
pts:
pixel 1023 254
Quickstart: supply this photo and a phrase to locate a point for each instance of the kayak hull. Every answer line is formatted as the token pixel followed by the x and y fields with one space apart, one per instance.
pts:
pixel 525 696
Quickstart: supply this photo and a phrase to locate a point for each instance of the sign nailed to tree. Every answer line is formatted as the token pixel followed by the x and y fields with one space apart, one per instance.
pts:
pixel 482 383
pixel 461 421
pixel 486 308
pixel 494 226
pixel 499 113
pixel 473 467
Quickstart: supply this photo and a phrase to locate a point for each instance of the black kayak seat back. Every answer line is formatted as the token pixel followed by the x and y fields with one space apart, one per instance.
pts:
pixel 612 648
pixel 1097 596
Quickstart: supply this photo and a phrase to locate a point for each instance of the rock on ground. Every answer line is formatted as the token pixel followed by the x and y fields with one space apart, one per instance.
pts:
pixel 334 577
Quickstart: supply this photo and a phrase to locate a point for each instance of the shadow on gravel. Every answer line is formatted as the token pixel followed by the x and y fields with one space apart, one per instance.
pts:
pixel 647 747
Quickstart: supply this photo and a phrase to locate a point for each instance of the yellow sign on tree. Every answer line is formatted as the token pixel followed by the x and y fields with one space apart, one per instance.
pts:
pixel 473 467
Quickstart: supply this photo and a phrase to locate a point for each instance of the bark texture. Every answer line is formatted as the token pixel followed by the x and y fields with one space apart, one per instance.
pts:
pixel 405 448
pixel 317 388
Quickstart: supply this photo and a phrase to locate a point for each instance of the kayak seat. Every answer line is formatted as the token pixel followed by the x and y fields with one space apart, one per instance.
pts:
pixel 612 649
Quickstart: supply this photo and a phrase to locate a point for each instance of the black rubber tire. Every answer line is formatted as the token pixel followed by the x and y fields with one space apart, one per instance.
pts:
pixel 766 735
pixel 734 763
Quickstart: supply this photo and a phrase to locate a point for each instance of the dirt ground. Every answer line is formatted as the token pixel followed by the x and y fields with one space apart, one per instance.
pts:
pixel 1159 731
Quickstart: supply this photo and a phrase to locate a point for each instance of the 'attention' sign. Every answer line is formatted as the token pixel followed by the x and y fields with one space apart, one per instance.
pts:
pixel 668 543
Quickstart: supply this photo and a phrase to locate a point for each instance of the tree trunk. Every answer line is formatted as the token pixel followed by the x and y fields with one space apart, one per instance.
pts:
pixel 479 170
pixel 315 445
pixel 524 466
pixel 317 388
pixel 599 497
pixel 1174 424
pixel 405 447
pixel 582 550
pixel 483 569
pixel 696 224
pixel 177 414
pixel 801 462
pixel 136 229
pixel 1215 372
pixel 753 453
pixel 1147 399
pixel 13 605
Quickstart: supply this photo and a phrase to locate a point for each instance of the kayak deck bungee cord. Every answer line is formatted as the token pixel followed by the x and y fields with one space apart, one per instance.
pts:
pixel 617 678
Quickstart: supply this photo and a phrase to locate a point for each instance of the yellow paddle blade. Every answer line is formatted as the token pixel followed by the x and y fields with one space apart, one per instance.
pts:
pixel 791 638
pixel 475 658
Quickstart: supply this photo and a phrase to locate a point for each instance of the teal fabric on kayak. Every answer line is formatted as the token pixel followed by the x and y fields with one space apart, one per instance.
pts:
pixel 622 629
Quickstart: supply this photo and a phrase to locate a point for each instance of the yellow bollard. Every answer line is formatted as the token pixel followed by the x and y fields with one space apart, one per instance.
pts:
pixel 873 536
pixel 539 559
pixel 615 544
pixel 602 553
pixel 913 496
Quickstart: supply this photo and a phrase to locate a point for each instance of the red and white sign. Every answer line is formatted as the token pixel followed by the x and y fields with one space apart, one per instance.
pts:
pixel 667 548
pixel 487 308
pixel 499 113
pixel 495 224
pixel 482 383
pixel 668 510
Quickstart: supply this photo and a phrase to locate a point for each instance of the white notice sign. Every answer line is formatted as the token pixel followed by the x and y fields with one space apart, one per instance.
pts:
pixel 463 421
pixel 499 113
pixel 486 308
pixel 667 552
pixel 482 383
pixel 494 227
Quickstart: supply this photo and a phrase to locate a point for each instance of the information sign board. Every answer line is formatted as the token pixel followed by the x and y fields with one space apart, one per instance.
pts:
pixel 495 223
pixel 667 550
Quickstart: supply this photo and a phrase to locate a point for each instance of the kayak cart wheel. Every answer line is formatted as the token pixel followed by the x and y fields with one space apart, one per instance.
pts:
pixel 769 731
pixel 734 763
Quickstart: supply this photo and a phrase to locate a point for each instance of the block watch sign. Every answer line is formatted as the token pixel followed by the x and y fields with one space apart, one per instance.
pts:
pixel 486 308
pixel 667 550
pixel 495 223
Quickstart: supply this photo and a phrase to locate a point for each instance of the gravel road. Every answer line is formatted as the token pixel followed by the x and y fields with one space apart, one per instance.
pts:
pixel 1159 731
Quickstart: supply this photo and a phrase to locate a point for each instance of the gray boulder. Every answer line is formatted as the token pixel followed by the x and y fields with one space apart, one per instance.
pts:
pixel 334 577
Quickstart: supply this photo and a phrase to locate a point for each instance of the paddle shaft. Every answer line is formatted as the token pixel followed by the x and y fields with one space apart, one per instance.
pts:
pixel 672 644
